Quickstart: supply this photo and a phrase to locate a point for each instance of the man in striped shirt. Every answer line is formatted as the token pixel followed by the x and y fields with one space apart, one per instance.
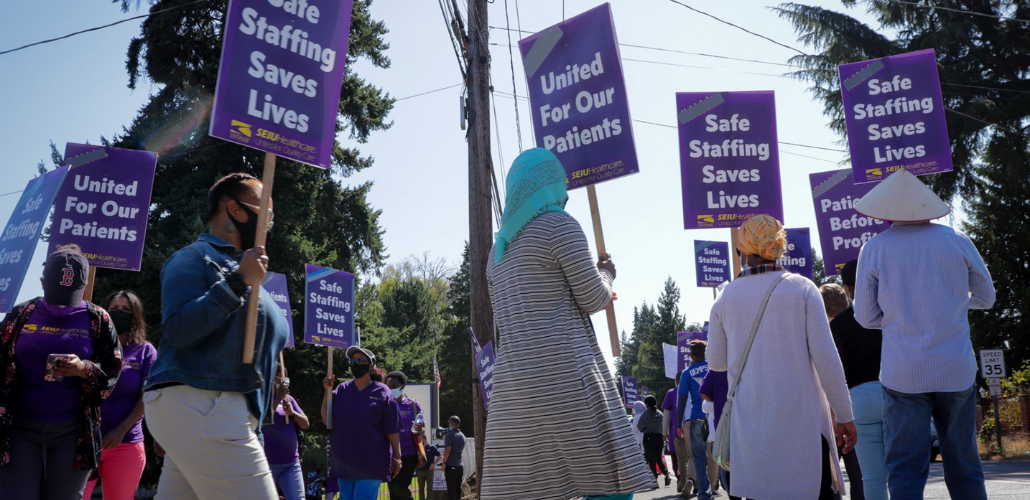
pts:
pixel 917 281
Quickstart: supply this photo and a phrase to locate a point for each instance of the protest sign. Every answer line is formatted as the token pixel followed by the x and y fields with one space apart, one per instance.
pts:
pixel 279 80
pixel 275 284
pixel 329 307
pixel 729 158
pixel 18 240
pixel 895 116
pixel 578 97
pixel 842 230
pixel 105 205
pixel 670 355
pixel 711 263
pixel 683 340
pixel 798 256
pixel 629 391
pixel 485 366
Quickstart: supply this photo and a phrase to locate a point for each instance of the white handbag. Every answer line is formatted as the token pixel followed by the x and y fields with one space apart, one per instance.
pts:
pixel 721 444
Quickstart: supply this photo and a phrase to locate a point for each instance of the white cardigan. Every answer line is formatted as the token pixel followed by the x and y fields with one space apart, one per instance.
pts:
pixel 780 408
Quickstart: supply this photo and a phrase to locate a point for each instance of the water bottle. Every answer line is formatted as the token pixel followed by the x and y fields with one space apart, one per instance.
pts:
pixel 419 420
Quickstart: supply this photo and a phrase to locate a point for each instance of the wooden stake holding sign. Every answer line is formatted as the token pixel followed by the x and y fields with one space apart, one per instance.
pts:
pixel 87 294
pixel 267 177
pixel 734 241
pixel 595 215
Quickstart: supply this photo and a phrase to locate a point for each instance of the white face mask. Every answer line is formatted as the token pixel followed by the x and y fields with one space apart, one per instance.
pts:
pixel 396 393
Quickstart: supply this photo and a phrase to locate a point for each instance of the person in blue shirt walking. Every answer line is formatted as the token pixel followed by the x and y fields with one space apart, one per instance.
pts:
pixel 692 419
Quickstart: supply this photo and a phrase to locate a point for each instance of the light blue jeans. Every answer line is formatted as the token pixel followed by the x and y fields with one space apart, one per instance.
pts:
pixel 359 489
pixel 290 479
pixel 906 421
pixel 867 403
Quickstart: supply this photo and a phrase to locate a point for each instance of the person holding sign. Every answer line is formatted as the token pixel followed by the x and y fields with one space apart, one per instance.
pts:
pixel 62 359
pixel 788 436
pixel 203 404
pixel 282 441
pixel 544 284
pixel 366 427
pixel 917 281
pixel 121 415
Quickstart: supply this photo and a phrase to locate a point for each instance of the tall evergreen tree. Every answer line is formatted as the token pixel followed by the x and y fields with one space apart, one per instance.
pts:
pixel 983 62
pixel 455 356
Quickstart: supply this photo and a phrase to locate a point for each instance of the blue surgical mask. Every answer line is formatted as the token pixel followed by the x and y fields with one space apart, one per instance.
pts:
pixel 396 393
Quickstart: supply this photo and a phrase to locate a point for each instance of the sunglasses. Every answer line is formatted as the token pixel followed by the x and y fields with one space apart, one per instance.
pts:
pixel 271 215
pixel 359 361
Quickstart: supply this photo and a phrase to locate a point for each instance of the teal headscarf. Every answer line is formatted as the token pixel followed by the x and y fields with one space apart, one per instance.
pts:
pixel 535 185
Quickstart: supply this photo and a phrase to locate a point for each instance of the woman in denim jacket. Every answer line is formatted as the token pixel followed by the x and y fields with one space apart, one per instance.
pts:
pixel 203 404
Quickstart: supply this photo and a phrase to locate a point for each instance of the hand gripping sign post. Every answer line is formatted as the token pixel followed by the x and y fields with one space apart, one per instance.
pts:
pixel 278 91
pixel 104 206
pixel 18 240
pixel 895 116
pixel 329 312
pixel 842 230
pixel 580 111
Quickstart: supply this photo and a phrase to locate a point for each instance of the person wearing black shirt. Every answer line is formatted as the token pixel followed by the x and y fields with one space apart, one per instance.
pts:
pixel 859 350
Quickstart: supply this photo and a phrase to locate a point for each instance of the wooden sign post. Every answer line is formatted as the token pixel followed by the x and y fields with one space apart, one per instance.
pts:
pixel 734 241
pixel 595 215
pixel 87 294
pixel 267 177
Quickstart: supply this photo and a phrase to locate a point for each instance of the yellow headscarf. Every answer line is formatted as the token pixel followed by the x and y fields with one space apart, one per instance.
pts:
pixel 764 236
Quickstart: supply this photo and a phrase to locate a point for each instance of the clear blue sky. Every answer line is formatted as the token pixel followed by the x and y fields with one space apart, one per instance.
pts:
pixel 75 91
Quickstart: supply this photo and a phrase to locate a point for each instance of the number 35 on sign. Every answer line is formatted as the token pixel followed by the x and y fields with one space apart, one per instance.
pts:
pixel 992 363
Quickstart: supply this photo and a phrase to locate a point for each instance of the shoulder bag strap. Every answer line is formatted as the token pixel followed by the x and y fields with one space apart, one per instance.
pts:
pixel 751 339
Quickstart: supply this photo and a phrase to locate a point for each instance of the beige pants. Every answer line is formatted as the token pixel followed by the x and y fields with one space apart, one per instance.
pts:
pixel 713 468
pixel 211 450
pixel 686 463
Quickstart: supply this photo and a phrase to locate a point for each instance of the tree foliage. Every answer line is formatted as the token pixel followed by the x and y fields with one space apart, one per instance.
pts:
pixel 984 63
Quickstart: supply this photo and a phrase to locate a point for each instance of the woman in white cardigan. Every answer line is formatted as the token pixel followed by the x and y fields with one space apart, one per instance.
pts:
pixel 782 436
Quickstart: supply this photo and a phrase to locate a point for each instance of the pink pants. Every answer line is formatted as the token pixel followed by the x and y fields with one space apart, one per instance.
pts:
pixel 120 470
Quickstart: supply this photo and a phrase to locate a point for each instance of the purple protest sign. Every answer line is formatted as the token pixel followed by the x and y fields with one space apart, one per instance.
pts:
pixel 18 240
pixel 842 230
pixel 280 76
pixel 683 340
pixel 729 157
pixel 578 97
pixel 798 256
pixel 711 262
pixel 485 366
pixel 104 206
pixel 895 116
pixel 329 307
pixel 629 391
pixel 275 284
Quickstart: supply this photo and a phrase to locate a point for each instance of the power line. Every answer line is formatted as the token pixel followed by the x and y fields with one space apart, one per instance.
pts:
pixel 948 9
pixel 703 13
pixel 985 88
pixel 511 61
pixel 702 67
pixel 665 125
pixel 69 35
pixel 429 92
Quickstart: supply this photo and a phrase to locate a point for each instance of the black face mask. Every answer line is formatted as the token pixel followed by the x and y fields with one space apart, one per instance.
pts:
pixel 247 230
pixel 122 321
pixel 359 370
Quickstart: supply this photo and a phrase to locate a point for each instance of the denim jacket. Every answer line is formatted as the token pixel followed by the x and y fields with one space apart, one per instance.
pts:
pixel 204 323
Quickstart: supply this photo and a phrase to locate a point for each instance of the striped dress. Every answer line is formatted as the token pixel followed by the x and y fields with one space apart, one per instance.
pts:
pixel 556 428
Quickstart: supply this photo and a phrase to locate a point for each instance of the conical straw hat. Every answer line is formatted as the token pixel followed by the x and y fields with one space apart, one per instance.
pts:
pixel 902 197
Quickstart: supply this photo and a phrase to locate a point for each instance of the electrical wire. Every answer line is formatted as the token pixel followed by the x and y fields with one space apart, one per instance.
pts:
pixel 511 61
pixel 703 67
pixel 69 35
pixel 745 30
pixel 429 92
pixel 448 22
pixel 948 9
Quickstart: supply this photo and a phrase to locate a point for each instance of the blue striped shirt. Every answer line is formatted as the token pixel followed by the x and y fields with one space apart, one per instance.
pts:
pixel 917 282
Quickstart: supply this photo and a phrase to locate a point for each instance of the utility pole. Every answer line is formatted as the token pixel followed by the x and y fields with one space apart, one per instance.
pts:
pixel 480 225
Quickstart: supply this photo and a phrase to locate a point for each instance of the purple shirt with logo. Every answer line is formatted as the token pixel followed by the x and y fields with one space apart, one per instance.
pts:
pixel 51 330
pixel 408 409
pixel 281 435
pixel 136 362
pixel 361 421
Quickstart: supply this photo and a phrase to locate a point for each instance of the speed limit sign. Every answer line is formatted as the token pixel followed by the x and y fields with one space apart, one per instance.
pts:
pixel 992 363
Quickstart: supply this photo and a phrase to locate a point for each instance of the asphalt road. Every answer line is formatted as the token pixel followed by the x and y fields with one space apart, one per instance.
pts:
pixel 1005 480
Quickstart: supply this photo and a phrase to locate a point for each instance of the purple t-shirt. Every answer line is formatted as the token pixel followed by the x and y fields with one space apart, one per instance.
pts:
pixel 281 435
pixel 716 385
pixel 136 362
pixel 361 421
pixel 670 404
pixel 408 409
pixel 51 330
